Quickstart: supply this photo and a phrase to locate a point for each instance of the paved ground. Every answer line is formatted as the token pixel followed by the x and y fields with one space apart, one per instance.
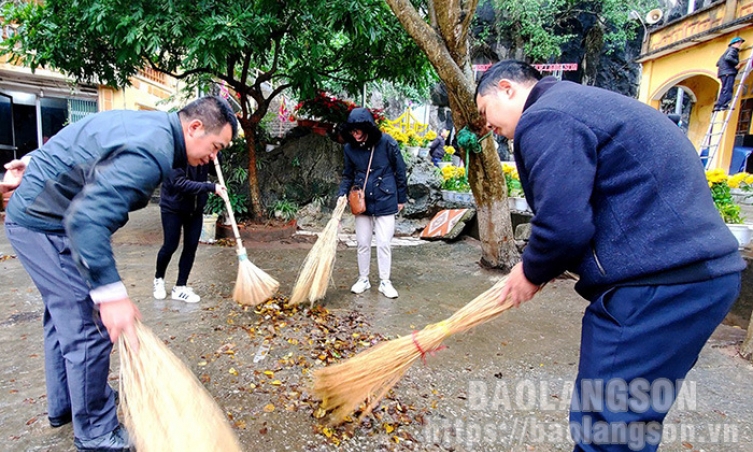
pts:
pixel 503 386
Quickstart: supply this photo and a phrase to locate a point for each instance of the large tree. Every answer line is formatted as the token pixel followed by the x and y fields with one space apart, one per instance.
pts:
pixel 442 31
pixel 539 28
pixel 259 48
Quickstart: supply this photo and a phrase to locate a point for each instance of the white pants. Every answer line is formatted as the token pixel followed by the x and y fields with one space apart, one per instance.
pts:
pixel 384 228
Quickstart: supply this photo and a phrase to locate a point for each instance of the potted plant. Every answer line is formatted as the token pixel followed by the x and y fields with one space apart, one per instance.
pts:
pixel 284 210
pixel 516 197
pixel 726 205
pixel 423 152
pixel 741 187
pixel 449 151
pixel 455 187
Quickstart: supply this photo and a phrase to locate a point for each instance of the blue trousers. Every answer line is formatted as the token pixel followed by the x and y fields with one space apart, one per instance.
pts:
pixel 725 95
pixel 637 342
pixel 76 344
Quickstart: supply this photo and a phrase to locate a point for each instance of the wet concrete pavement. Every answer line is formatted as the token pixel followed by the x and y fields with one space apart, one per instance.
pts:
pixel 503 386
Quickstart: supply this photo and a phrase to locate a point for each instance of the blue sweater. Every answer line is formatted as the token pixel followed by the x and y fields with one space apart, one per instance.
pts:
pixel 618 193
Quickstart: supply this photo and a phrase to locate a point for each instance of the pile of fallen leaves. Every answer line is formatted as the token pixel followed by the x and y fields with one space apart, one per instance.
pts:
pixel 289 341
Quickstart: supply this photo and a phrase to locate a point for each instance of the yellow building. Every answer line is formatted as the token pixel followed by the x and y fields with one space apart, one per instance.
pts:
pixel 35 106
pixel 683 54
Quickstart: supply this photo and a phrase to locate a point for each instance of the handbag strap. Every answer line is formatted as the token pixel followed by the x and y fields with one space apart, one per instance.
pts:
pixel 368 169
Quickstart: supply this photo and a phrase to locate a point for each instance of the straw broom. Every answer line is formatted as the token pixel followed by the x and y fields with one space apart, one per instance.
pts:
pixel 316 271
pixel 166 408
pixel 253 285
pixel 370 374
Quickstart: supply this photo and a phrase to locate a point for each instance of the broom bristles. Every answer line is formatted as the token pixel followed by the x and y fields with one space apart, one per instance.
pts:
pixel 316 271
pixel 253 285
pixel 166 408
pixel 372 373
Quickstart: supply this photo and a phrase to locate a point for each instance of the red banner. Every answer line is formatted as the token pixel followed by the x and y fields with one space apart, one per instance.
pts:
pixel 539 67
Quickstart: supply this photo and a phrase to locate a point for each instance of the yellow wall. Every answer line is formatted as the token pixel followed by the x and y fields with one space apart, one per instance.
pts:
pixel 148 91
pixel 694 67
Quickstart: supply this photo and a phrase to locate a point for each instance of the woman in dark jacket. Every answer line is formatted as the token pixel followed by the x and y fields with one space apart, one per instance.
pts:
pixel 385 190
pixel 182 199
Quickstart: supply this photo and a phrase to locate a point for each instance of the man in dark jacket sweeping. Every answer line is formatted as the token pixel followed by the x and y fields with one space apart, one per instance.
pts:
pixel 619 198
pixel 76 192
pixel 729 65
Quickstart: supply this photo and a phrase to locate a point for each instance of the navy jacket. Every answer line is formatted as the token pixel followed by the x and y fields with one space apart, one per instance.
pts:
pixel 728 62
pixel 186 190
pixel 618 193
pixel 436 148
pixel 85 180
pixel 386 186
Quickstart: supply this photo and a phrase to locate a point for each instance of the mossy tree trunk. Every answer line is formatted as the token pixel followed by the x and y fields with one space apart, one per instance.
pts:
pixel 446 43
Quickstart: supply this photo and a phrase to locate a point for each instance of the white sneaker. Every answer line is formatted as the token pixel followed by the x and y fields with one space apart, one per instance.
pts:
pixel 387 290
pixel 362 285
pixel 159 289
pixel 185 293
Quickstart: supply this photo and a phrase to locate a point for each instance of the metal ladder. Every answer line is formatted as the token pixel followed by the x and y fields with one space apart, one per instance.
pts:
pixel 719 119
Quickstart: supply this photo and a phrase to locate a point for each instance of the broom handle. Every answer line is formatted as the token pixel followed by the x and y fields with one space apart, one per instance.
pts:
pixel 229 208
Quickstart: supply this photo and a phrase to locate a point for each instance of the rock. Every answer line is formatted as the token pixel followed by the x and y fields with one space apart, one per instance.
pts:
pixel 523 232
pixel 307 170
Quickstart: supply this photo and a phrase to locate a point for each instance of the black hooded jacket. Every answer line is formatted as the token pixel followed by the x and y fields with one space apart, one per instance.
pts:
pixel 186 190
pixel 386 186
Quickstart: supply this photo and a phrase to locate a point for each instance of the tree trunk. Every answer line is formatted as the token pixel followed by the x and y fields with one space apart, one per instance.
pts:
pixel 447 50
pixel 746 350
pixel 257 206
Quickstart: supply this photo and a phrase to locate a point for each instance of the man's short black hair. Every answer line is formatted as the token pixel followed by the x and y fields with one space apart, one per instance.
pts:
pixel 514 70
pixel 213 111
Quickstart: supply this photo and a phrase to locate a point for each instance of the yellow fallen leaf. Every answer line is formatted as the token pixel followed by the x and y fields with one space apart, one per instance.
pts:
pixel 268 408
pixel 233 371
pixel 269 373
pixel 320 413
pixel 328 432
pixel 389 428
pixel 202 363
pixel 276 382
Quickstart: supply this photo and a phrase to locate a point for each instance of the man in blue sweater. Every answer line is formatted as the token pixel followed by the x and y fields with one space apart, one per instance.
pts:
pixel 74 193
pixel 620 198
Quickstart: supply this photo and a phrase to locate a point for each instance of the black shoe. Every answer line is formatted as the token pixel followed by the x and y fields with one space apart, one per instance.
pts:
pixel 59 421
pixel 115 441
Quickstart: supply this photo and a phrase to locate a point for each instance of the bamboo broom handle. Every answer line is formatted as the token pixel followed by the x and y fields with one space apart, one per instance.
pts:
pixel 229 208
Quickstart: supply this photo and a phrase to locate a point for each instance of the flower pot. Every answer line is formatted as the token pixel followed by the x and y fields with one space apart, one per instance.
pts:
pixel 519 204
pixel 448 195
pixel 208 229
pixel 741 196
pixel 413 150
pixel 742 233
pixel 441 165
pixel 464 198
pixel 423 153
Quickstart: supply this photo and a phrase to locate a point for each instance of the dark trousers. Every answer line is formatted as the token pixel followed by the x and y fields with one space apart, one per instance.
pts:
pixel 725 95
pixel 643 339
pixel 172 224
pixel 76 344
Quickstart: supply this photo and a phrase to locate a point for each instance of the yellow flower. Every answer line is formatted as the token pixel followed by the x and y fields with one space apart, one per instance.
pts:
pixel 459 171
pixel 448 172
pixel 507 169
pixel 749 179
pixel 449 150
pixel 716 176
pixel 736 180
pixel 430 135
